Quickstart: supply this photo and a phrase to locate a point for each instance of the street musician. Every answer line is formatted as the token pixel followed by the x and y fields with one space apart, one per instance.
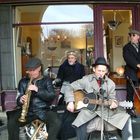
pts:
pixel 90 119
pixel 41 96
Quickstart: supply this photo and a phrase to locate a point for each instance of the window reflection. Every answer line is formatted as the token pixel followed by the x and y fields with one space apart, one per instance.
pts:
pixel 59 39
pixel 116 35
pixel 54 30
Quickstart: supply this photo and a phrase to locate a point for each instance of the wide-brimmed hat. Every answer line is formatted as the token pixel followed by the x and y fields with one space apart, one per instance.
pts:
pixel 33 63
pixel 100 61
pixel 134 32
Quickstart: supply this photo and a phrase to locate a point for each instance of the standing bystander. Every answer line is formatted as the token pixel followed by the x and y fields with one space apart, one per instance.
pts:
pixel 131 55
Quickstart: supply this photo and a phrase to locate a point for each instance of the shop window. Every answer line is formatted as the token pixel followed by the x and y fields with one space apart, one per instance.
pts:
pixel 48 32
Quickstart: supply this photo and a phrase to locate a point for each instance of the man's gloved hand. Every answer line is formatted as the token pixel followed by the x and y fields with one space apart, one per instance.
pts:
pixel 57 82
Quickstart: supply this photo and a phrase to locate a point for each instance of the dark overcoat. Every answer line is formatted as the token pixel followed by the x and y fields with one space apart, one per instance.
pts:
pixel 132 58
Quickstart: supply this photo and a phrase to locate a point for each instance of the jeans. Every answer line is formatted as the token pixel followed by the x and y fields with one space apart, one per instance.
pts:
pixel 126 131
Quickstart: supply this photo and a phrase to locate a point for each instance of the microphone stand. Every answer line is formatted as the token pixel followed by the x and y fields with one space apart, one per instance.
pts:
pixel 102 109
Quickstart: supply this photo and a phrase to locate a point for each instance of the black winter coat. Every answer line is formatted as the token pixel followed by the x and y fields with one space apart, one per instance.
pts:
pixel 70 73
pixel 132 58
pixel 40 101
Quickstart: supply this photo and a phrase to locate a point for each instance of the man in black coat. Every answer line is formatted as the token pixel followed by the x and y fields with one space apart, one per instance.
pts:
pixel 131 55
pixel 71 70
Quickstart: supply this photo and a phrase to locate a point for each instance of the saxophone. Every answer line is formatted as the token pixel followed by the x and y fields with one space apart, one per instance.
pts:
pixel 25 106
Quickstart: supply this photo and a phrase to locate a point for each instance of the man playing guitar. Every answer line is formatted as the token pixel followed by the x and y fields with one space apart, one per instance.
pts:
pixel 99 84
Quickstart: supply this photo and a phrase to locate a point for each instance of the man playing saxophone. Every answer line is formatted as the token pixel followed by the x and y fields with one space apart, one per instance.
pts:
pixel 41 96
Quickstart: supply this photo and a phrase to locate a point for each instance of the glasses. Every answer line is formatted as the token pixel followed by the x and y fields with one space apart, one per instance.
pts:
pixel 133 35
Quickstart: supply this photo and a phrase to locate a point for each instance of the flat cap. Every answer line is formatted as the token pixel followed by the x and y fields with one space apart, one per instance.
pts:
pixel 134 32
pixel 33 63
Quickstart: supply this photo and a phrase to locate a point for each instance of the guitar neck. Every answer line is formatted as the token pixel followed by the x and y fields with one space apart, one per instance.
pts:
pixel 100 102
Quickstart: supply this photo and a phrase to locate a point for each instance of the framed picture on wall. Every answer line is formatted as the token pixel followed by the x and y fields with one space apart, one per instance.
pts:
pixel 118 41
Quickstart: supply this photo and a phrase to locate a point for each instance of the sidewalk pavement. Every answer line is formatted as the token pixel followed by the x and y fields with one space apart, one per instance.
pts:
pixel 3 128
pixel 4 133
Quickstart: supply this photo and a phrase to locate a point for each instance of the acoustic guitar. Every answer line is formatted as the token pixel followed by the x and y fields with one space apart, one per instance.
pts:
pixel 91 101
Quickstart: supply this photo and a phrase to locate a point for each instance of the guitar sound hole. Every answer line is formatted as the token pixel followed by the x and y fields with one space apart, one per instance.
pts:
pixel 86 100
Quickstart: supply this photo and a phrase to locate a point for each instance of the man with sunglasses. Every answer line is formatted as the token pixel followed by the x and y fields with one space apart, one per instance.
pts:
pixel 131 55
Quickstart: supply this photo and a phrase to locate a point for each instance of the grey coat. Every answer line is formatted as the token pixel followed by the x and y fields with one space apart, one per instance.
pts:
pixel 116 117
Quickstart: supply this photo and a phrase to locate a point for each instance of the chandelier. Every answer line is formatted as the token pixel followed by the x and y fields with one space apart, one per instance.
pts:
pixel 54 40
pixel 113 24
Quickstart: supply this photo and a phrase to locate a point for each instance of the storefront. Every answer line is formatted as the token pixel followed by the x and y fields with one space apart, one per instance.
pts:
pixel 49 29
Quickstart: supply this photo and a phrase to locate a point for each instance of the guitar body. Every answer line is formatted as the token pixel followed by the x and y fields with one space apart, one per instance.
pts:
pixel 137 102
pixel 83 97
pixel 91 101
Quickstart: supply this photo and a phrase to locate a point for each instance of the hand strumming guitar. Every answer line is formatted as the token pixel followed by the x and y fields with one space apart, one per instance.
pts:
pixel 114 104
pixel 70 106
pixel 138 65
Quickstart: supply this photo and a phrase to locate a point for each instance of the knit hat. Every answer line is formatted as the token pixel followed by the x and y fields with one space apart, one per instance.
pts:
pixel 74 53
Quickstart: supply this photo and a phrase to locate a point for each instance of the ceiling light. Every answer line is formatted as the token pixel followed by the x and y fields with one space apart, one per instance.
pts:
pixel 113 24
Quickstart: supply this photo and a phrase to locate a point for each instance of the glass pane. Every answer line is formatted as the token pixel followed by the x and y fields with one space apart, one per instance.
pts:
pixel 48 32
pixel 66 13
pixel 116 24
pixel 58 39
pixel 57 13
pixel 51 42
pixel 29 14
